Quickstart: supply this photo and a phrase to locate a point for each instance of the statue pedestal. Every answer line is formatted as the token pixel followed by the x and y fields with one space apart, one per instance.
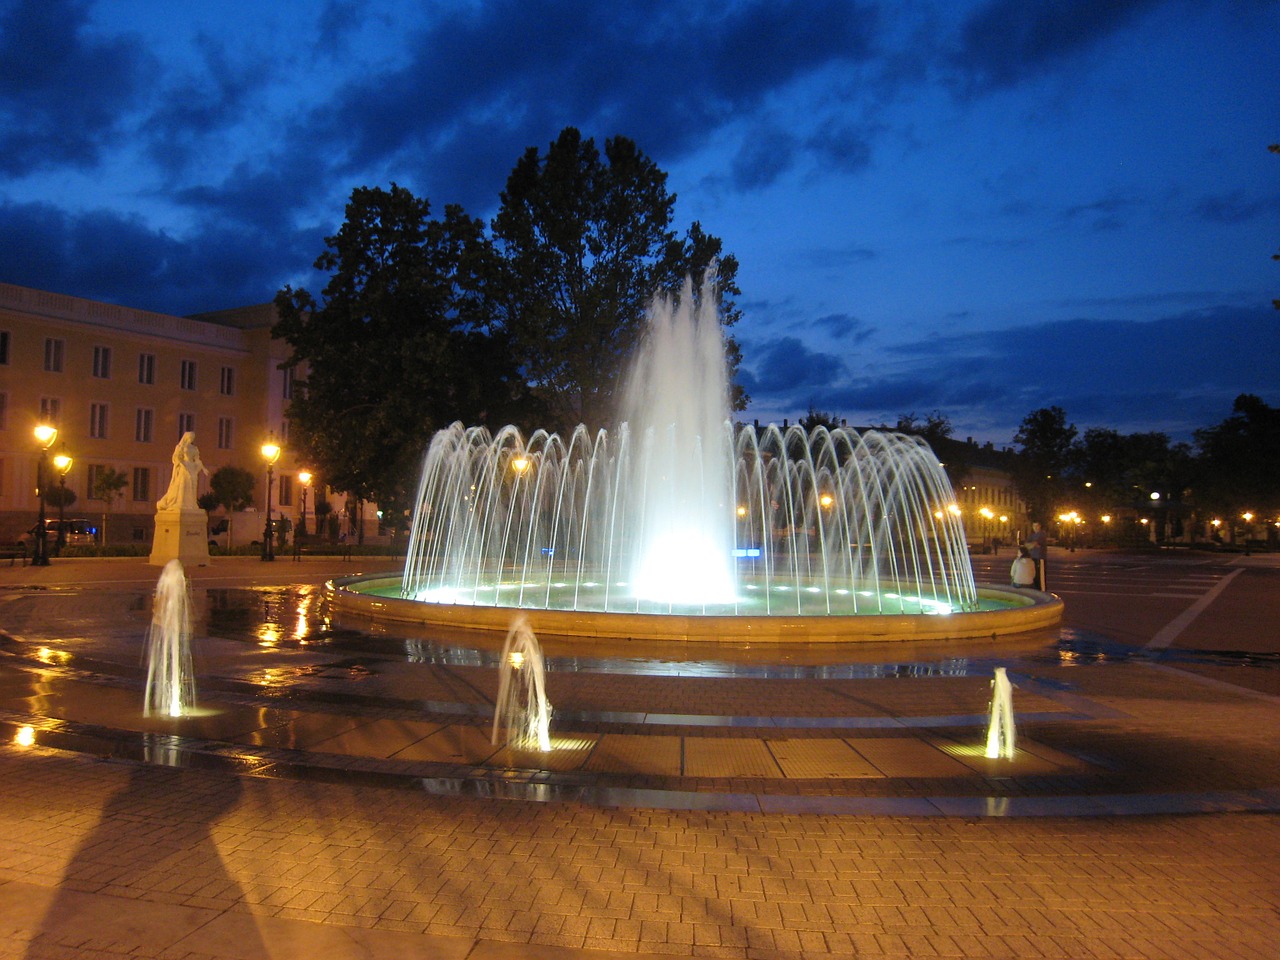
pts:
pixel 181 535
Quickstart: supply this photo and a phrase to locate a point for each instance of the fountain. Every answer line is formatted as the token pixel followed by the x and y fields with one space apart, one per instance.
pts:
pixel 1001 734
pixel 676 525
pixel 171 684
pixel 521 708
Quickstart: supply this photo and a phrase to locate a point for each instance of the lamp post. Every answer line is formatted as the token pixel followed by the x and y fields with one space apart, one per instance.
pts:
pixel 62 463
pixel 45 435
pixel 270 453
pixel 304 478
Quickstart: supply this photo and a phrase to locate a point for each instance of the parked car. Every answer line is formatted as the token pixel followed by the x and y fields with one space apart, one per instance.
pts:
pixel 79 532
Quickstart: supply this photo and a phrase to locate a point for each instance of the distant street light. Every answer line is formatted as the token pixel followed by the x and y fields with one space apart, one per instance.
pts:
pixel 45 435
pixel 304 478
pixel 62 463
pixel 270 453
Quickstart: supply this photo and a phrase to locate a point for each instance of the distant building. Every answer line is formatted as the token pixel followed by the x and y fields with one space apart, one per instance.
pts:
pixel 122 385
pixel 989 503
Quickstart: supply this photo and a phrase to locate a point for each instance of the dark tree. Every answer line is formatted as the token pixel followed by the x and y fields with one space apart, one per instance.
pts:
pixel 1045 440
pixel 818 418
pixel 583 243
pixel 935 428
pixel 1240 460
pixel 397 347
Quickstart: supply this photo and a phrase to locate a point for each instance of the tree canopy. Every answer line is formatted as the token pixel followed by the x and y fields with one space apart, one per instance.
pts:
pixel 397 347
pixel 1045 440
pixel 583 242
pixel 1240 459
pixel 426 321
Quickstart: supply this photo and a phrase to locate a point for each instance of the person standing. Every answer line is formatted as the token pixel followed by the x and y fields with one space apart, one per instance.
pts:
pixel 1037 545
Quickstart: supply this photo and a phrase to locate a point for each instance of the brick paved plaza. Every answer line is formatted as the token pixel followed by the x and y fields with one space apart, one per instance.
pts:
pixel 336 800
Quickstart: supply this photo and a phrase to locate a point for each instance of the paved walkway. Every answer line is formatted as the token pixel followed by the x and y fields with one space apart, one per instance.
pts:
pixel 835 808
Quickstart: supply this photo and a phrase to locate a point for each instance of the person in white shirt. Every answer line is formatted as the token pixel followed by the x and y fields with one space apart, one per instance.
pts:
pixel 1023 571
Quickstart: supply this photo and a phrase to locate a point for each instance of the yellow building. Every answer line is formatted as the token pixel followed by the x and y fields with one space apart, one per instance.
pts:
pixel 121 386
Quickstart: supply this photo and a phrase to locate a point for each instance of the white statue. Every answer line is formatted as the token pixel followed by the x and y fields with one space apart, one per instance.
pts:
pixel 187 468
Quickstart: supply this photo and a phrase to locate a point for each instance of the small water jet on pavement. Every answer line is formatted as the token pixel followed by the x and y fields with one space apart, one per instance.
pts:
pixel 522 707
pixel 171 681
pixel 1001 734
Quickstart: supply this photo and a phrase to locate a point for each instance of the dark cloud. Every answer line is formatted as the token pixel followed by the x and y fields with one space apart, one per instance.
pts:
pixel 206 99
pixel 762 159
pixel 1175 375
pixel 104 256
pixel 1005 42
pixel 62 92
pixel 1105 214
pixel 838 146
pixel 663 75
pixel 1179 370
pixel 838 258
pixel 787 368
pixel 1235 207
pixel 844 326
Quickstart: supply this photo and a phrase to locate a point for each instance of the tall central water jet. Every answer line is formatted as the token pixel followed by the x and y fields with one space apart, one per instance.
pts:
pixel 676 512
pixel 676 409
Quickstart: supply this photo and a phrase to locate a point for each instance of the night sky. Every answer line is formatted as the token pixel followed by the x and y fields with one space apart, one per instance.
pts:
pixel 975 208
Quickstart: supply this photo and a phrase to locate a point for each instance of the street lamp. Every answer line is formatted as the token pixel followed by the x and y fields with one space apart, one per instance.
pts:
pixel 270 453
pixel 304 478
pixel 45 435
pixel 62 463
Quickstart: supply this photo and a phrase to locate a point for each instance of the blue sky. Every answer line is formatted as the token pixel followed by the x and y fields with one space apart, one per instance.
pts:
pixel 976 208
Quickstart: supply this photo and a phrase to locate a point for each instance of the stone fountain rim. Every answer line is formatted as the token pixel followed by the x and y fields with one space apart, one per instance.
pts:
pixel 1031 611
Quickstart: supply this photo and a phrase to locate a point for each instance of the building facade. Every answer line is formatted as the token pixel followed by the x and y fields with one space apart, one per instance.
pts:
pixel 122 386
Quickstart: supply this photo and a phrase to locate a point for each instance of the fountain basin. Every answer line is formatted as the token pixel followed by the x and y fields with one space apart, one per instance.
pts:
pixel 1012 611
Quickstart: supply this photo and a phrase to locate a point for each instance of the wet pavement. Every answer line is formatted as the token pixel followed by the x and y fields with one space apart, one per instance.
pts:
pixel 1159 698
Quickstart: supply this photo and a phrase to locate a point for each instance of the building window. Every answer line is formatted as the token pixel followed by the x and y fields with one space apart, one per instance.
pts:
pixel 186 423
pixel 51 411
pixel 91 480
pixel 4 411
pixel 144 424
pixel 286 491
pixel 224 433
pixel 287 391
pixel 147 368
pixel 227 382
pixel 187 377
pixel 4 347
pixel 102 363
pixel 142 483
pixel 98 421
pixel 53 348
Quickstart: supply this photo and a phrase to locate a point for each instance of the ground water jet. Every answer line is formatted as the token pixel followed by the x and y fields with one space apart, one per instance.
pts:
pixel 171 684
pixel 1001 733
pixel 521 708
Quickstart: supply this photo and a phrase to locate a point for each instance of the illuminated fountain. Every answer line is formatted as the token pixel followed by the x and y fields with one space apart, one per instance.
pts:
pixel 171 683
pixel 522 710
pixel 677 525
